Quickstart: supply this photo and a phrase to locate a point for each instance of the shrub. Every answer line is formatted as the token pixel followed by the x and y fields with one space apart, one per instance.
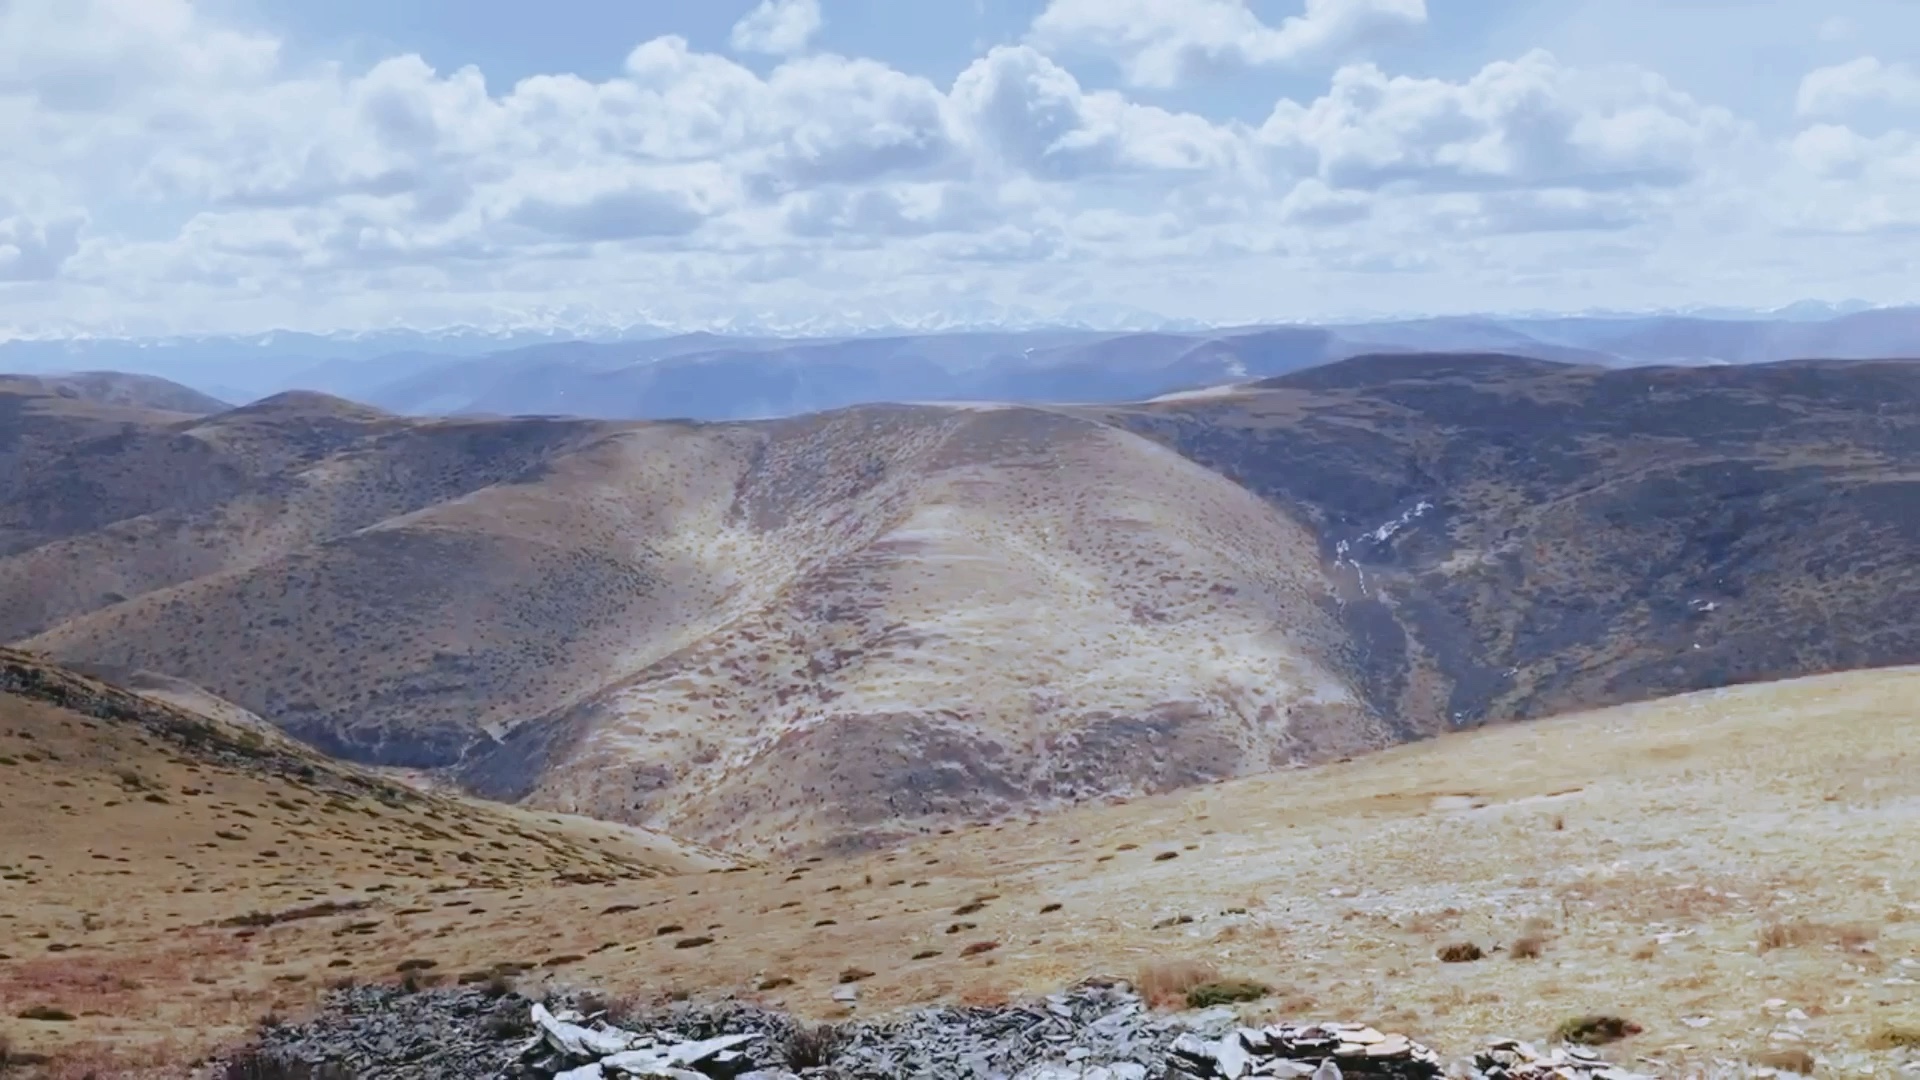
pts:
pixel 1595 1030
pixel 1460 952
pixel 1527 947
pixel 854 974
pixel 1225 992
pixel 46 1013
pixel 1166 981
pixel 811 1047
pixel 979 947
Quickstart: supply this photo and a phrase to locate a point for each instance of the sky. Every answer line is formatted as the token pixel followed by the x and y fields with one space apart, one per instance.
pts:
pixel 231 166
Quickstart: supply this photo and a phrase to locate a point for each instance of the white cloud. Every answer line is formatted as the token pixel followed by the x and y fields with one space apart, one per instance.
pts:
pixel 1864 82
pixel 164 168
pixel 32 249
pixel 1159 43
pixel 1033 115
pixel 781 27
pixel 1524 123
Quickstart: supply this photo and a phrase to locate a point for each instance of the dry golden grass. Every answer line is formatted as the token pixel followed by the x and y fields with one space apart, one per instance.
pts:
pixel 1166 982
pixel 156 900
pixel 1689 824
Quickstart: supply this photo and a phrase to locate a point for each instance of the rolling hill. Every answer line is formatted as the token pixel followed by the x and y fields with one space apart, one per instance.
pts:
pixel 841 628
pixel 1724 869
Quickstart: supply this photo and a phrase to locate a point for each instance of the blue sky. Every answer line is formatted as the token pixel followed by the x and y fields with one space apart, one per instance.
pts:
pixel 234 165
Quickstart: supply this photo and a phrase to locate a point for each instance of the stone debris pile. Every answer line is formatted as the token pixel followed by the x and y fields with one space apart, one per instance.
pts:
pixel 1303 1051
pixel 1511 1059
pixel 1099 1030
pixel 575 1051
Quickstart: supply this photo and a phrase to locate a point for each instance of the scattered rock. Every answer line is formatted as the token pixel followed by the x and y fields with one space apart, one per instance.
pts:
pixel 1511 1059
pixel 1098 1030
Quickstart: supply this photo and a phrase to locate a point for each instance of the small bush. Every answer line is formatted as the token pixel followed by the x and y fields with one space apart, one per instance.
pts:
pixel 1595 1030
pixel 1050 908
pixel 47 1013
pixel 1167 981
pixel 1460 952
pixel 926 954
pixel 811 1047
pixel 979 947
pixel 854 975
pixel 1225 992
pixel 1527 947
pixel 692 942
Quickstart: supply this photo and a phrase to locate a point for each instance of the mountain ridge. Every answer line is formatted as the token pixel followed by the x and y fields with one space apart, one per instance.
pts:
pixel 947 612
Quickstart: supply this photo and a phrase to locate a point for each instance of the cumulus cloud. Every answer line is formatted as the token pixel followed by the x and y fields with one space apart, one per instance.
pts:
pixel 35 250
pixel 1530 122
pixel 780 27
pixel 1864 82
pixel 164 165
pixel 1033 114
pixel 1160 43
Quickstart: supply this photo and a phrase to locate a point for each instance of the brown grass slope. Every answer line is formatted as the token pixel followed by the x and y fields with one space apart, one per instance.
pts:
pixel 145 845
pixel 74 466
pixel 1715 868
pixel 119 388
pixel 935 613
pixel 1517 538
pixel 694 626
pixel 387 472
pixel 846 627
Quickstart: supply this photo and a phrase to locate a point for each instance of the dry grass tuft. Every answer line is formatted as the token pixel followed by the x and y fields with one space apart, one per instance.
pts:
pixel 1794 1060
pixel 1800 933
pixel 1894 1037
pixel 1527 947
pixel 1595 1030
pixel 1460 952
pixel 811 1047
pixel 1225 992
pixel 1166 982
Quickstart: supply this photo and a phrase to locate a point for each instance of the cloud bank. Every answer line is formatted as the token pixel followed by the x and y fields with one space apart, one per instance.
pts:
pixel 169 171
